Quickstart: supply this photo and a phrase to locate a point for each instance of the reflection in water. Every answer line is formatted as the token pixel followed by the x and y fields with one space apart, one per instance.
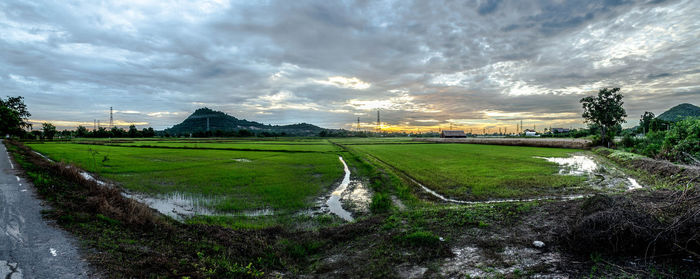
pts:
pixel 180 205
pixel 574 165
pixel 580 165
pixel 333 203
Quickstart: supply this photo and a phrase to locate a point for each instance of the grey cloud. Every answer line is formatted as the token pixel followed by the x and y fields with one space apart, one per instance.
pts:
pixel 160 58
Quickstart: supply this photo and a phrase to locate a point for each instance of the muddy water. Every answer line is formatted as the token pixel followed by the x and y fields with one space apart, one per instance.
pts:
pixel 600 176
pixel 181 206
pixel 574 165
pixel 333 202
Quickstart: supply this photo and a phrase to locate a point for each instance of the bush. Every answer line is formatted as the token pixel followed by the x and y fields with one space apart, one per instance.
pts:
pixel 628 141
pixel 380 203
pixel 682 141
pixel 420 238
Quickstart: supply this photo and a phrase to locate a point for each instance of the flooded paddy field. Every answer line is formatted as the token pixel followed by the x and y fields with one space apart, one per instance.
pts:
pixel 368 208
pixel 221 181
pixel 464 173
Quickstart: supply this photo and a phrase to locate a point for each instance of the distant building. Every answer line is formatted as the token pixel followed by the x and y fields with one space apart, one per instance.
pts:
pixel 453 134
pixel 560 130
pixel 530 133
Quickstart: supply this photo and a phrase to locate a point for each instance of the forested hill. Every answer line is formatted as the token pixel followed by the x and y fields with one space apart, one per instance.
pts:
pixel 679 112
pixel 222 122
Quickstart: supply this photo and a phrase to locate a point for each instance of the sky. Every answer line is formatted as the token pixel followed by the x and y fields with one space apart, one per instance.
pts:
pixel 425 65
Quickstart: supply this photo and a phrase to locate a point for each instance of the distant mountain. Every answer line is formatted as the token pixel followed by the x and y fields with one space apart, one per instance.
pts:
pixel 679 112
pixel 202 118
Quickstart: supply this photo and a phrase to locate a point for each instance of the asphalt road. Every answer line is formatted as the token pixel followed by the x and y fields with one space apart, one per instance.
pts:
pixel 30 247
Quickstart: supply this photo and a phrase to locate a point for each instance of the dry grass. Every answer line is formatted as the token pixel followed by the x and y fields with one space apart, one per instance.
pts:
pixel 644 223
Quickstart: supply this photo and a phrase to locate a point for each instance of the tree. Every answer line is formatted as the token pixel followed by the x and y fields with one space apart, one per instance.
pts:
pixel 604 110
pixel 81 132
pixel 148 133
pixel 49 130
pixel 117 132
pixel 645 121
pixel 133 132
pixel 13 116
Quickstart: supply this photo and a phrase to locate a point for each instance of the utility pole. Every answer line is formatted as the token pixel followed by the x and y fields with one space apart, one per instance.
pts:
pixel 521 126
pixel 358 124
pixel 98 124
pixel 94 125
pixel 207 124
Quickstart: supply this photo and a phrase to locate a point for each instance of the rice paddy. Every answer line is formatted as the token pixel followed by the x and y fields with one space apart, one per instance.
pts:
pixel 233 176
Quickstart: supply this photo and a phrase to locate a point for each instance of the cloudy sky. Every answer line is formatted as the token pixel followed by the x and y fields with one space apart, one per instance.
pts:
pixel 424 64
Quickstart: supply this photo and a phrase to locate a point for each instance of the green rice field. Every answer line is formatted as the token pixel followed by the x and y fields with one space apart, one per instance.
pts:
pixel 235 180
pixel 286 175
pixel 477 172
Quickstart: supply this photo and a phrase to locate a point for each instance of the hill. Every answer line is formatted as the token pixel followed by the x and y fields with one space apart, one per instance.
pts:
pixel 679 112
pixel 205 119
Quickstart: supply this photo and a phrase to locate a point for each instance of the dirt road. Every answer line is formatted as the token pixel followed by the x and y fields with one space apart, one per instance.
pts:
pixel 29 246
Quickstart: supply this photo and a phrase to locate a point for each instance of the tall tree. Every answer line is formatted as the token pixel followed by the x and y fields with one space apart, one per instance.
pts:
pixel 604 110
pixel 645 121
pixel 133 132
pixel 49 130
pixel 81 132
pixel 13 116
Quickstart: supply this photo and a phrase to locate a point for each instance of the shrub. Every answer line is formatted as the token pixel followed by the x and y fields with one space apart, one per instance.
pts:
pixel 380 203
pixel 420 238
pixel 683 141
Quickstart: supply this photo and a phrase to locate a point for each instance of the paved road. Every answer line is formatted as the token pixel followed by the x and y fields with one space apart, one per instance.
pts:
pixel 29 246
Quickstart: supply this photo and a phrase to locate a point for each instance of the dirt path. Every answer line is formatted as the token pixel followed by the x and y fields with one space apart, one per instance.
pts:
pixel 29 246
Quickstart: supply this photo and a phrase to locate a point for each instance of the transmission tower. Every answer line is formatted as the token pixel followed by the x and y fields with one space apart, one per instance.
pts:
pixel 379 128
pixel 111 119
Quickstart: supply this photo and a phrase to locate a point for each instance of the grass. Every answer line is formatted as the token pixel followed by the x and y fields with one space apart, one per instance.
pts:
pixel 284 181
pixel 477 172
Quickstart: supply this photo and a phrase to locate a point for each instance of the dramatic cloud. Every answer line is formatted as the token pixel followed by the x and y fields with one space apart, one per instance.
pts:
pixel 423 64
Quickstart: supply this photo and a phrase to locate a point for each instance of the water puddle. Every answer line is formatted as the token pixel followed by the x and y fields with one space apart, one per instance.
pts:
pixel 349 195
pixel 242 160
pixel 181 206
pixel 600 176
pixel 574 165
pixel 333 203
